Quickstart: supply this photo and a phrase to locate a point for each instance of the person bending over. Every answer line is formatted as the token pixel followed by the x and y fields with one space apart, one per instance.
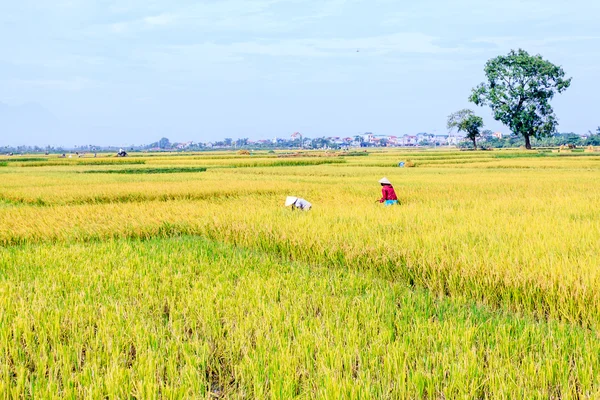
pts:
pixel 298 203
pixel 389 195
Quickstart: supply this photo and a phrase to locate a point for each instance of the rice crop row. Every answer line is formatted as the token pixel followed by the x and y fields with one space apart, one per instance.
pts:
pixel 544 154
pixel 252 162
pixel 22 159
pixel 172 170
pixel 51 189
pixel 89 161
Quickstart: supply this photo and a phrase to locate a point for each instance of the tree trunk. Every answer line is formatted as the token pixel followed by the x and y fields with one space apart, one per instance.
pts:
pixel 527 142
pixel 474 144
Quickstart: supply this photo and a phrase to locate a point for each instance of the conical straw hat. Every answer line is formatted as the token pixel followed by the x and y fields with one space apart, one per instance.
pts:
pixel 385 181
pixel 290 200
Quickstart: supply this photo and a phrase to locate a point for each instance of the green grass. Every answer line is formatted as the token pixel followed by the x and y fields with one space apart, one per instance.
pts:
pixel 89 161
pixel 534 154
pixel 173 170
pixel 186 317
pixel 291 162
pixel 25 159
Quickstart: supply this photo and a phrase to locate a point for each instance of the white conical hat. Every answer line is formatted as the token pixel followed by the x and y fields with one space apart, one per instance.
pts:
pixel 290 200
pixel 385 180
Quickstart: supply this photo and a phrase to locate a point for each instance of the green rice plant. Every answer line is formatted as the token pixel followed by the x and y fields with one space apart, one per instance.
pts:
pixel 24 159
pixel 173 170
pixel 355 154
pixel 250 162
pixel 89 161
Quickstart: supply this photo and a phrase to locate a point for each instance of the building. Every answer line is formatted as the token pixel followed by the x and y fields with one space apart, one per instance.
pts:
pixel 409 140
pixel 454 140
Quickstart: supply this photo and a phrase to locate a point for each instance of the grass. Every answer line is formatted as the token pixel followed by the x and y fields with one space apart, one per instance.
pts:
pixel 482 284
pixel 23 159
pixel 173 170
pixel 250 162
pixel 80 161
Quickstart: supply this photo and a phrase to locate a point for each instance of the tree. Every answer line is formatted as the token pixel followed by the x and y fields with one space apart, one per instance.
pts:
pixel 241 142
pixel 164 143
pixel 593 140
pixel 466 121
pixel 519 90
pixel 572 138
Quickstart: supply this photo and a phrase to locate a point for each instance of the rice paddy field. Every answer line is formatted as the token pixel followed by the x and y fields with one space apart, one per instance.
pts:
pixel 184 276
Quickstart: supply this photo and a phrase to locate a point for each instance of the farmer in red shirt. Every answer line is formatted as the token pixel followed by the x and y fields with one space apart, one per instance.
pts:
pixel 389 195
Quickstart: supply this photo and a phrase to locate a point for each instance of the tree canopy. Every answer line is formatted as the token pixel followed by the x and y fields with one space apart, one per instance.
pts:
pixel 164 143
pixel 519 88
pixel 466 121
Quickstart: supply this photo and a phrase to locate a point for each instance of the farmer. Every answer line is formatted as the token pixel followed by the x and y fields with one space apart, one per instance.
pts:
pixel 389 195
pixel 298 203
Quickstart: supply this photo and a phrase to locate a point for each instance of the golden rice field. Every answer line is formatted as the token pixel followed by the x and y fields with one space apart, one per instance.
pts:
pixel 184 276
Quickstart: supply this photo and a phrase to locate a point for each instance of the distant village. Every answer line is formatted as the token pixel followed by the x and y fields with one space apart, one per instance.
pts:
pixel 488 139
pixel 367 139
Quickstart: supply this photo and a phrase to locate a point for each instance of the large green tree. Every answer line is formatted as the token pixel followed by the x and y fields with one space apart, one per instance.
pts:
pixel 519 88
pixel 466 121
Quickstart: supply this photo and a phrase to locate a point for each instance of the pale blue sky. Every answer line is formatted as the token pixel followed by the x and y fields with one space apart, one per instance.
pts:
pixel 131 71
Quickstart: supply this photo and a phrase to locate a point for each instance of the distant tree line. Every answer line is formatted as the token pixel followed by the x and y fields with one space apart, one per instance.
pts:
pixel 487 140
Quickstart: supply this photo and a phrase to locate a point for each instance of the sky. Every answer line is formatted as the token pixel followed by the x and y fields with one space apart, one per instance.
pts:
pixel 128 72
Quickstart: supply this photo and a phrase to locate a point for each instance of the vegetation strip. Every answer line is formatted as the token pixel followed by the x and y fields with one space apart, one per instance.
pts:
pixel 135 198
pixel 24 159
pixel 76 162
pixel 147 171
pixel 289 163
